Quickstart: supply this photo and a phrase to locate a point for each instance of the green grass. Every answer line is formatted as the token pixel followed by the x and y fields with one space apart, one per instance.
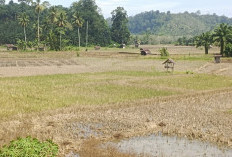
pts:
pixel 38 93
pixel 194 82
pixel 185 57
pixel 136 73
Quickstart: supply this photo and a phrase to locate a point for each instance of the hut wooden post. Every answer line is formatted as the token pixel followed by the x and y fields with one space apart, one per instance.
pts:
pixel 169 64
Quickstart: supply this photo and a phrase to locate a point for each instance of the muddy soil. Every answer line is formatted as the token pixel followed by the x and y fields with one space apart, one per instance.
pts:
pixel 202 116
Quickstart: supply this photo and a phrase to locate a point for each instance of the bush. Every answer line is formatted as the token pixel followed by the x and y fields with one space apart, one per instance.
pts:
pixel 29 147
pixel 163 52
pixel 228 50
pixel 21 44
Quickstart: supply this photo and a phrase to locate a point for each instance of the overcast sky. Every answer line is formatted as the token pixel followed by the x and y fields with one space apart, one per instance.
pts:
pixel 220 7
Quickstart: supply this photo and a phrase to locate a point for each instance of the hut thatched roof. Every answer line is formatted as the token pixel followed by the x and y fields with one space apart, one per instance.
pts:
pixel 169 61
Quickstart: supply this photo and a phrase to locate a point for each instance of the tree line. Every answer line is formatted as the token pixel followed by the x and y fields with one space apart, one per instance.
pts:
pixel 220 36
pixel 171 24
pixel 35 24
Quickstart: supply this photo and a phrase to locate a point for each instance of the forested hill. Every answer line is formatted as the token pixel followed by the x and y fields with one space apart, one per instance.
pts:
pixel 181 24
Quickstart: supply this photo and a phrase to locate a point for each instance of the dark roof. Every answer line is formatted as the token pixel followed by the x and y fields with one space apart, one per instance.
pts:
pixel 146 50
pixel 169 61
pixel 9 45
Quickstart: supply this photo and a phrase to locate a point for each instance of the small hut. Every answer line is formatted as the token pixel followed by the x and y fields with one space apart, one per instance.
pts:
pixel 217 58
pixel 123 46
pixel 97 47
pixel 11 47
pixel 169 64
pixel 144 51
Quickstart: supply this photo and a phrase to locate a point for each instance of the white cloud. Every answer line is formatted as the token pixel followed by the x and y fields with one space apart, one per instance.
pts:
pixel 133 7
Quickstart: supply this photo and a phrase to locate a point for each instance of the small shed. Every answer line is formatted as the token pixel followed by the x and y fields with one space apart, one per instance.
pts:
pixel 217 58
pixel 11 47
pixel 144 51
pixel 97 47
pixel 169 64
pixel 123 46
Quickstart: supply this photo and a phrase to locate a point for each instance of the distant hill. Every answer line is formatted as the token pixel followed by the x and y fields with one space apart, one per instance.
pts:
pixel 168 24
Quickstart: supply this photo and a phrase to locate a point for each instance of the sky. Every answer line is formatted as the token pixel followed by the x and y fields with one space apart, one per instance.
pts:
pixel 133 7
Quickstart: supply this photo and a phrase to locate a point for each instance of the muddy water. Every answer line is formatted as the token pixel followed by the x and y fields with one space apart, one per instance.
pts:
pixel 171 146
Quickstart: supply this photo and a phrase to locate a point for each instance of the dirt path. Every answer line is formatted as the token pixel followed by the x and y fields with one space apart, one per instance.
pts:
pixel 217 69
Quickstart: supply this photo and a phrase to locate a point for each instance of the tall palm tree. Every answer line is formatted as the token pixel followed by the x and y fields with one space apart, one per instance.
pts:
pixel 38 8
pixel 205 39
pixel 78 21
pixel 2 2
pixel 221 35
pixel 23 21
pixel 61 22
pixel 53 15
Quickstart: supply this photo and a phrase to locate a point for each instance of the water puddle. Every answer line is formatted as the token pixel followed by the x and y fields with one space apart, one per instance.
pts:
pixel 158 145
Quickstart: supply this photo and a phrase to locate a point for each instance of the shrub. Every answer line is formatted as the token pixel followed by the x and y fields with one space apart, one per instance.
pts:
pixel 21 44
pixel 29 147
pixel 163 52
pixel 228 50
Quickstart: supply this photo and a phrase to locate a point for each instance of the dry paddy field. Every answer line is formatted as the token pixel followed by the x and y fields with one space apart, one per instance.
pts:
pixel 112 94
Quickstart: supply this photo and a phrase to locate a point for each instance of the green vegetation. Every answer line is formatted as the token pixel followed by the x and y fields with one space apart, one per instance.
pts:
pixel 184 57
pixel 164 52
pixel 195 82
pixel 119 30
pixel 38 93
pixel 56 27
pixel 205 39
pixel 23 147
pixel 181 24
pixel 34 24
pixel 220 36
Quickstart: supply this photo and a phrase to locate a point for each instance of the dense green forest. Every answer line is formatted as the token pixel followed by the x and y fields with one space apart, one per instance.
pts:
pixel 39 23
pixel 181 24
pixel 33 23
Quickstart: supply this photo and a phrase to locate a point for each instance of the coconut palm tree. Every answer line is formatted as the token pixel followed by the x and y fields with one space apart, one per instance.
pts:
pixel 78 21
pixel 61 22
pixel 2 2
pixel 38 8
pixel 205 39
pixel 23 21
pixel 221 34
pixel 53 15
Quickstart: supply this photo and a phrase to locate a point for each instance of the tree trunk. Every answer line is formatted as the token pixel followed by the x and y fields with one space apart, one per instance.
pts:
pixel 222 47
pixel 206 49
pixel 25 35
pixel 38 34
pixel 60 41
pixel 86 44
pixel 79 38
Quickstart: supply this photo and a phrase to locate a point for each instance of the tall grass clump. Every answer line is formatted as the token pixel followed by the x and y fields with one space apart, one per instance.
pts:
pixel 164 52
pixel 28 147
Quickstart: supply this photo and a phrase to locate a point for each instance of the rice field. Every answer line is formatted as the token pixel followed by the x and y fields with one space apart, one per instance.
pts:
pixel 114 94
